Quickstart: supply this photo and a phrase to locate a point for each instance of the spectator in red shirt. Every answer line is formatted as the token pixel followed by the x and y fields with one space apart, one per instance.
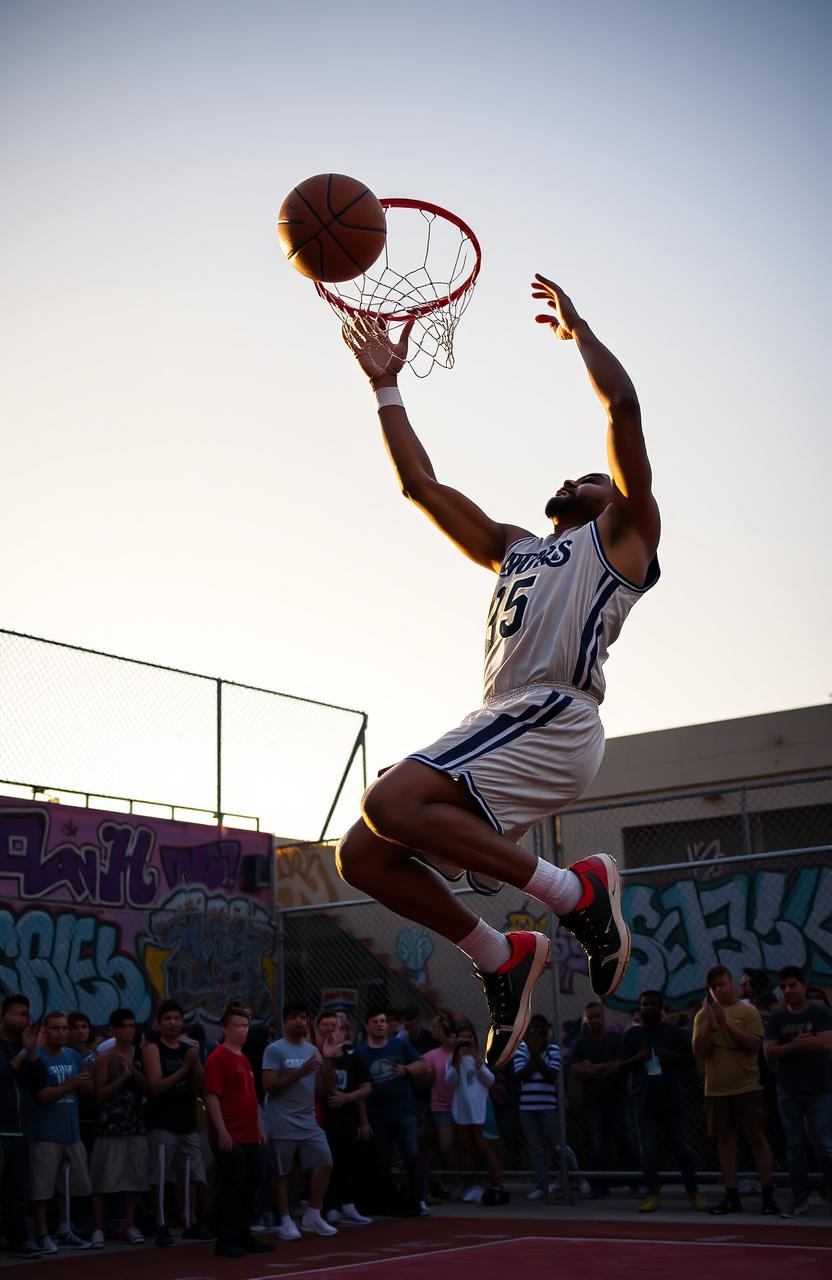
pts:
pixel 236 1133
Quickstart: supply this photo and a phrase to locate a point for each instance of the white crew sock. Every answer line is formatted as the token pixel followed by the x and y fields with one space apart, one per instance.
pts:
pixel 558 888
pixel 487 948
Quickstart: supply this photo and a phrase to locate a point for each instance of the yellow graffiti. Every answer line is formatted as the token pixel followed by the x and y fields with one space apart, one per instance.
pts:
pixel 306 874
pixel 155 959
pixel 525 920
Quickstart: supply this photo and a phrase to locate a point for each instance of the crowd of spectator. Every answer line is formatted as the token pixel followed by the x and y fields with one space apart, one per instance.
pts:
pixel 135 1131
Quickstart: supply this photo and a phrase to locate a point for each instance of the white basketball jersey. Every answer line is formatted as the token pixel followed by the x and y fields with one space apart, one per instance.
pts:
pixel 557 607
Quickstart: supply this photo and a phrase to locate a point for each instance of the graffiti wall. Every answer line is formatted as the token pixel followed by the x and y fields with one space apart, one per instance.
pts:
pixel 100 909
pixel 761 913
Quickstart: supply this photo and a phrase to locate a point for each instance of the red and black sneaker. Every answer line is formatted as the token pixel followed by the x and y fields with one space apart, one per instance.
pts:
pixel 598 924
pixel 509 994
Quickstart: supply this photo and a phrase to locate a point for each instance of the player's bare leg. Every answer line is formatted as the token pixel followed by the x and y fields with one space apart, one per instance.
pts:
pixel 413 807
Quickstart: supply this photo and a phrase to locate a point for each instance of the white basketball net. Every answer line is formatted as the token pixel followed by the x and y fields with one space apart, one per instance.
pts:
pixel 442 260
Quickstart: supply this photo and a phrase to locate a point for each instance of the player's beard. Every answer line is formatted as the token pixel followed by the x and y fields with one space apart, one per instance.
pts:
pixel 560 505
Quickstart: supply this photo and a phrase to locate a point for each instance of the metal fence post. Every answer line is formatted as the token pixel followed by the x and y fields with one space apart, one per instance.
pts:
pixel 563 1164
pixel 219 752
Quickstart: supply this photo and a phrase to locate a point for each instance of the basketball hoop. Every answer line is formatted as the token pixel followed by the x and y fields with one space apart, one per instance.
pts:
pixel 443 261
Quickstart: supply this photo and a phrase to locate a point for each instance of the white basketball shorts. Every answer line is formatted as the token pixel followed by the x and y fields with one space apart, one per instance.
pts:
pixel 523 756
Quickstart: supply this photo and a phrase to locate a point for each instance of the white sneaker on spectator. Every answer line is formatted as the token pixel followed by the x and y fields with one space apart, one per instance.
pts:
pixel 47 1245
pixel 424 1211
pixel 313 1224
pixel 536 1195
pixel 287 1230
pixel 334 1217
pixel 584 1189
pixel 473 1195
pixel 69 1240
pixel 134 1236
pixel 97 1240
pixel 349 1213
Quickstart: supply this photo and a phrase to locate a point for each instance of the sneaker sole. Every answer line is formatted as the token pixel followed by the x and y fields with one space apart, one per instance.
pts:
pixel 521 1022
pixel 614 891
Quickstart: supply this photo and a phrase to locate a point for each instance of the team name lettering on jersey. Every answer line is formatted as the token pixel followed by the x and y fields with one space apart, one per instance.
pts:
pixel 519 561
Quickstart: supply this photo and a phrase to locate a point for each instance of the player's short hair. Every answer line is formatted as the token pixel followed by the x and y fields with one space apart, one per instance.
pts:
pixel 373 1011
pixel 716 971
pixel 595 1004
pixel 295 1006
pixel 325 1013
pixel 792 971
pixel 76 1016
pixel 169 1006
pixel 12 1000
pixel 235 1009
pixel 652 995
pixel 52 1015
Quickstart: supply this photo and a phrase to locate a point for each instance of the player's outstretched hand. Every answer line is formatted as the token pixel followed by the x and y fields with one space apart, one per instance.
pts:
pixel 376 352
pixel 562 316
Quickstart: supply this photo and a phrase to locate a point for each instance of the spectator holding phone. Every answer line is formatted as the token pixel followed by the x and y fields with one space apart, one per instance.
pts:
pixel 470 1079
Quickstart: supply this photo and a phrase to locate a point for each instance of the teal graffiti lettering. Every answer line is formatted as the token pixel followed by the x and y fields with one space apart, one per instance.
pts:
pixel 761 920
pixel 68 961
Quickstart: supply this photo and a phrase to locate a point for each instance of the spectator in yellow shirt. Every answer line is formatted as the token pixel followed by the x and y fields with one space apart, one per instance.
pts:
pixel 726 1042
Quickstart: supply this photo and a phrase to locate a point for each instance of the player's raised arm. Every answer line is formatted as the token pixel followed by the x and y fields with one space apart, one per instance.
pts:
pixel 630 526
pixel 482 539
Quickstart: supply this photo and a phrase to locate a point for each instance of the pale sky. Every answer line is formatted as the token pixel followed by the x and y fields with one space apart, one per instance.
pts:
pixel 192 469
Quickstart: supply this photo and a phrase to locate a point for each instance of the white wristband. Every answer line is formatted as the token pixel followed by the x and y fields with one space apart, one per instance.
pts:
pixel 386 396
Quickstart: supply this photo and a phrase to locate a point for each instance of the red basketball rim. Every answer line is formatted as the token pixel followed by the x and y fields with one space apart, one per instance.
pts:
pixel 413 313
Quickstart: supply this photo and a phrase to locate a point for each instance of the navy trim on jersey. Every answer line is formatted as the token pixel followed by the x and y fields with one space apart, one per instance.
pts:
pixel 503 730
pixel 653 570
pixel 606 588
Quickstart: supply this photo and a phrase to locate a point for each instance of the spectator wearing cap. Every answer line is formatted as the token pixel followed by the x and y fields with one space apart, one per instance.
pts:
pixel 118 1164
pixel 18 1074
pixel 175 1076
pixel 56 1133
pixel 798 1042
pixel 236 1134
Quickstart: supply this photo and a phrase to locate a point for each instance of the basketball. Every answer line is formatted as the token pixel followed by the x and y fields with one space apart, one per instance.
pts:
pixel 331 227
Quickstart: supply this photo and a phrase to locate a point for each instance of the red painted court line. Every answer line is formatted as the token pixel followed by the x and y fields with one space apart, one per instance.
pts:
pixel 622 1259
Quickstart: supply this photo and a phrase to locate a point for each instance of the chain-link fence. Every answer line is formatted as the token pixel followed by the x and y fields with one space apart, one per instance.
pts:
pixel 754 906
pixel 109 729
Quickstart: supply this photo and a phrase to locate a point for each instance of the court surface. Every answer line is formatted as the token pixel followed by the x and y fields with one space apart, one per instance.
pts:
pixel 447 1248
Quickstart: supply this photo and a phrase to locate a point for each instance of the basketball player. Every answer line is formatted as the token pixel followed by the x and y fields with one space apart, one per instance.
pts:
pixel 462 803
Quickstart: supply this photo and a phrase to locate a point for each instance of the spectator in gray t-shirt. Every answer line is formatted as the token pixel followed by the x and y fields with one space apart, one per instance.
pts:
pixel 293 1072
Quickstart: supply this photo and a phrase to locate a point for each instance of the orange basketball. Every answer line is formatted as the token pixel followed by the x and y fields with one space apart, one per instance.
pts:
pixel 331 227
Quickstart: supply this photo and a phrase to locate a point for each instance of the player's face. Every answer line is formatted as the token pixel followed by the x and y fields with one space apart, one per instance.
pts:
pixel 581 500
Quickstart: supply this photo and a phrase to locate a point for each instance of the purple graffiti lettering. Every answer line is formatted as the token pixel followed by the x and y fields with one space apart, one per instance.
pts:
pixel 113 875
pixel 213 865
pixel 127 871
